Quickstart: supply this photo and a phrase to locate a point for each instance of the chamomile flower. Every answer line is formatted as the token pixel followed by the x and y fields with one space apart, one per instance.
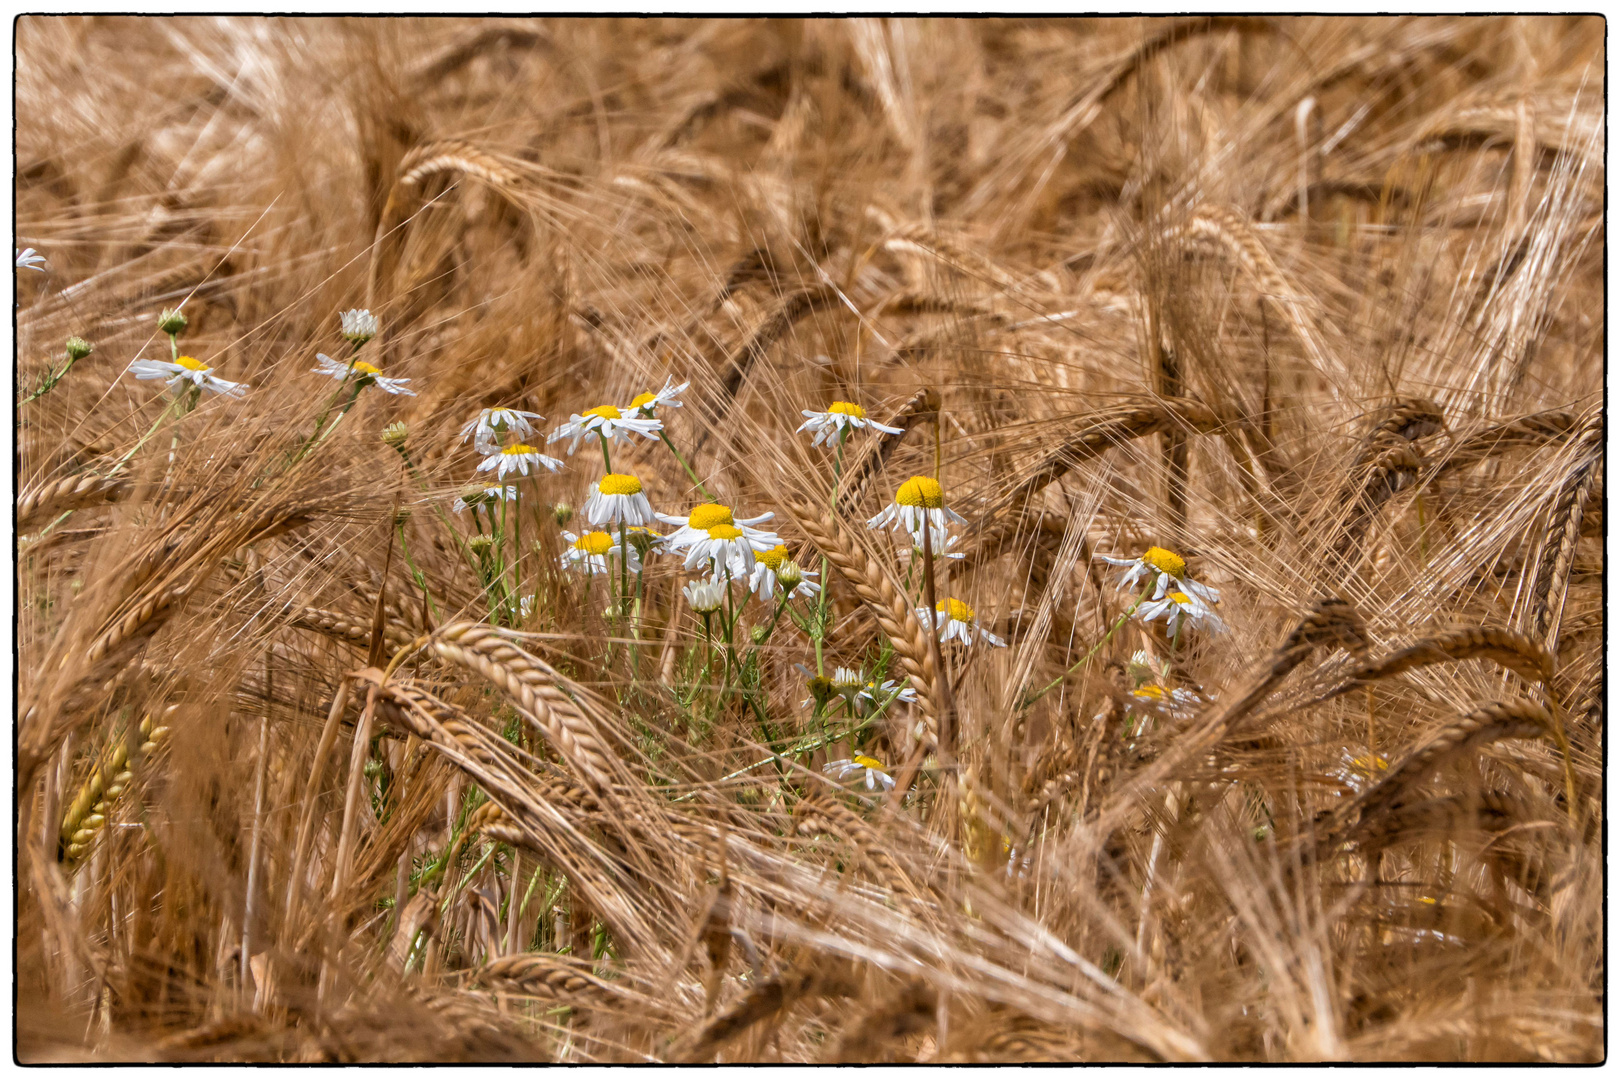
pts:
pixel 705 597
pixel 705 516
pixel 608 422
pixel 954 619
pixel 647 404
pixel 724 551
pixel 368 374
pixel 947 550
pixel 862 767
pixel 486 431
pixel 1176 700
pixel 517 458
pixel 189 370
pixel 591 552
pixel 1358 772
pixel 359 325
pixel 889 690
pixel 838 421
pixel 617 499
pixel 847 681
pixel 767 575
pixel 30 259
pixel 919 503
pixel 474 495
pixel 1177 607
pixel 1167 569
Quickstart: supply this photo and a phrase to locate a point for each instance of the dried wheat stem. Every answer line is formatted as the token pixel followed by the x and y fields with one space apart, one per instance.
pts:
pixel 1511 650
pixel 306 816
pixel 1563 537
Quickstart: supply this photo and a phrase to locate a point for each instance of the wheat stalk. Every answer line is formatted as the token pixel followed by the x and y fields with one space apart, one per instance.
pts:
pixel 46 500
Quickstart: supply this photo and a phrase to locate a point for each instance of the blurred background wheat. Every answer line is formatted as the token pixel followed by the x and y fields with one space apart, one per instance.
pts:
pixel 1314 304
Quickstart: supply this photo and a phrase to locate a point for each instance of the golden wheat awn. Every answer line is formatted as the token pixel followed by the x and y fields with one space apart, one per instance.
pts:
pixel 328 753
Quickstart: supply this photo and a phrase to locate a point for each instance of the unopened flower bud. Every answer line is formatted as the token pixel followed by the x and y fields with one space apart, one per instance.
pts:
pixel 474 494
pixel 789 574
pixel 78 348
pixel 359 325
pixel 395 434
pixel 759 634
pixel 563 513
pixel 172 322
pixel 481 544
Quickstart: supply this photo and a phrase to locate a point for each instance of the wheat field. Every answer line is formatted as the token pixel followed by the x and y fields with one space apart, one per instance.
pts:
pixel 332 747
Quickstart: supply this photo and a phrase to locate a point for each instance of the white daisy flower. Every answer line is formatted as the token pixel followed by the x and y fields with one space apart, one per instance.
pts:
pixel 861 766
pixel 647 404
pixel 768 575
pixel 30 259
pixel 369 374
pixel 359 325
pixel 724 551
pixel 1177 608
pixel 490 494
pixel 847 681
pixel 887 691
pixel 187 369
pixel 1177 700
pixel 956 620
pixel 838 421
pixel 494 423
pixel 591 552
pixel 517 458
pixel 705 516
pixel 704 596
pixel 1168 569
pixel 919 502
pixel 617 499
pixel 608 422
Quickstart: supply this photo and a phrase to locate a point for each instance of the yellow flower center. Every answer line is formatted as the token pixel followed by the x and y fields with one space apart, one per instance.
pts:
pixel 847 409
pixel 1181 598
pixel 643 399
pixel 867 762
pixel 724 532
pixel 774 557
pixel 1164 561
pixel 1155 693
pixel 366 369
pixel 594 543
pixel 191 363
pixel 921 491
pixel 606 412
pixel 619 484
pixel 708 515
pixel 956 610
pixel 518 448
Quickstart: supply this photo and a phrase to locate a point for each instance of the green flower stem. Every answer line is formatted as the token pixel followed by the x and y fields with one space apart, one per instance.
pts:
pixel 1093 650
pixel 49 382
pixel 687 466
pixel 607 461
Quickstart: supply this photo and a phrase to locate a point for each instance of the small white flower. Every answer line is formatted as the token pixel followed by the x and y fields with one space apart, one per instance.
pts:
pixel 31 259
pixel 647 404
pixel 870 769
pixel 497 493
pixel 517 458
pixel 1178 607
pixel 704 596
pixel 526 606
pixel 1358 772
pixel 1166 568
pixel 695 527
pixel 369 374
pixel 359 325
pixel 764 581
pixel 617 499
pixel 1176 700
pixel 956 620
pixel 889 690
pixel 838 421
pixel 724 551
pixel 494 423
pixel 947 550
pixel 608 422
pixel 591 552
pixel 920 503
pixel 187 369
pixel 847 681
